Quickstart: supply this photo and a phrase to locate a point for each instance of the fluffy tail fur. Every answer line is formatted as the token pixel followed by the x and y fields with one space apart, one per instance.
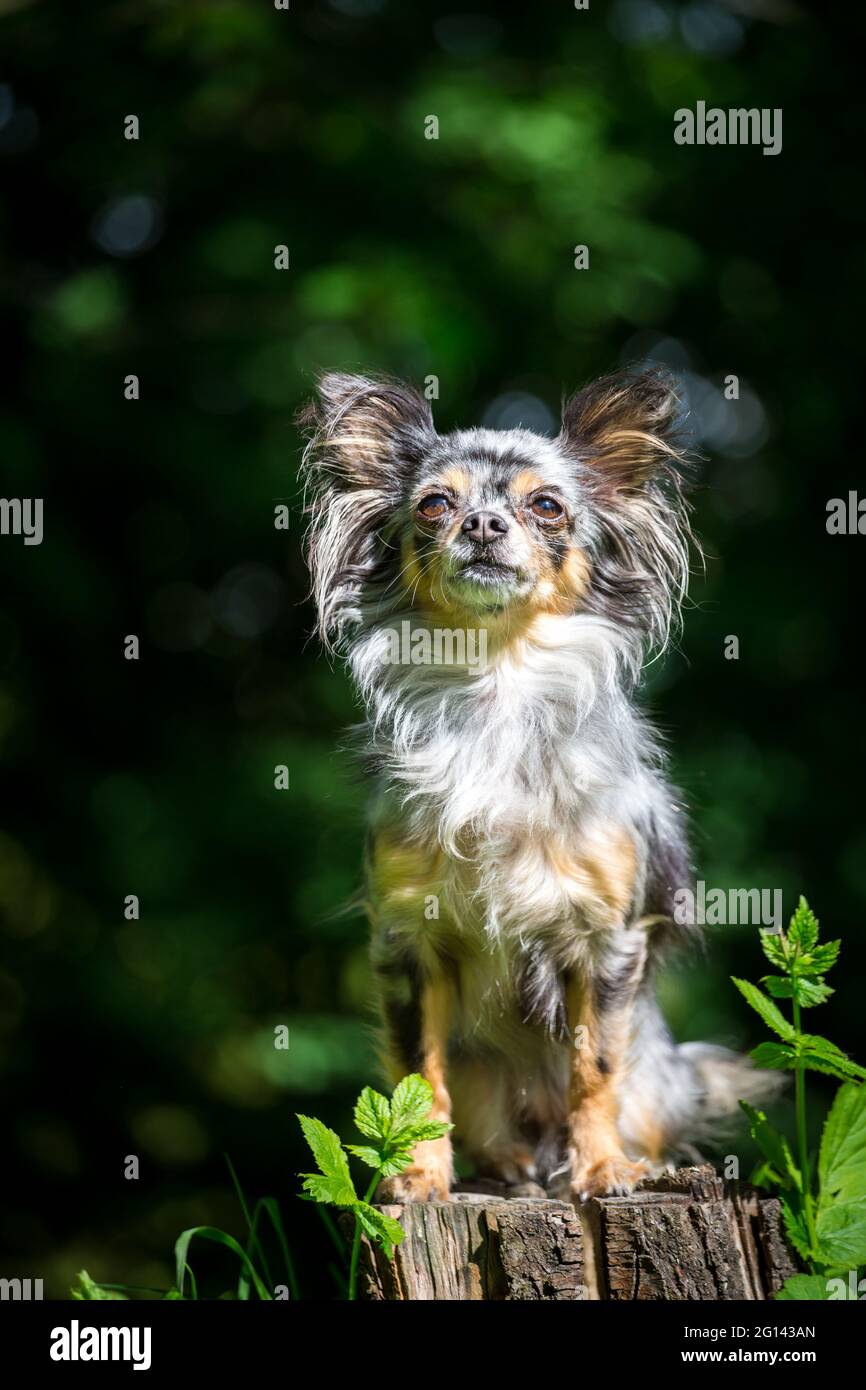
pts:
pixel 677 1097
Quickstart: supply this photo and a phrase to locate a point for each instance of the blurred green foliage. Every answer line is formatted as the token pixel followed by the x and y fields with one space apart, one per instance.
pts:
pixel 451 257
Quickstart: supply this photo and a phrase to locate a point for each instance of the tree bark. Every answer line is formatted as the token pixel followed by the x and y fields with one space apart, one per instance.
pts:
pixel 688 1235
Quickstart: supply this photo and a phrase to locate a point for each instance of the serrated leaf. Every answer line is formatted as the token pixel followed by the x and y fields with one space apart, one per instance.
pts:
pixel 773 1145
pixel 842 1156
pixel 428 1129
pixel 411 1102
pixel 816 1049
pixel 372 1157
pixel 841 1230
pixel 808 993
pixel 828 1068
pixel 397 1161
pixel 772 1016
pixel 774 949
pixel 802 1288
pixel 778 1056
pixel 337 1191
pixel 379 1227
pixel 327 1149
pixel 400 1155
pixel 823 957
pixel 795 1228
pixel 333 1183
pixel 373 1114
pixel 781 987
pixel 803 928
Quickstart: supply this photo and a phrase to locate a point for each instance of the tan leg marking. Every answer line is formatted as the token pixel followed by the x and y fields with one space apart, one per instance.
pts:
pixel 598 1164
pixel 428 1179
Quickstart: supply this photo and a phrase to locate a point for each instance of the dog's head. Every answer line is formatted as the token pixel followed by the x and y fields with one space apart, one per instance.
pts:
pixel 492 526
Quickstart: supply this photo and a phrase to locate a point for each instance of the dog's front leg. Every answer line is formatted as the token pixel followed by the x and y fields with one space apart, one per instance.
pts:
pixel 417 1016
pixel 600 1004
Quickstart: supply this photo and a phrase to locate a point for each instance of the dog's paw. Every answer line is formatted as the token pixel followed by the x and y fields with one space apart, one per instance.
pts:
pixel 416 1184
pixel 614 1176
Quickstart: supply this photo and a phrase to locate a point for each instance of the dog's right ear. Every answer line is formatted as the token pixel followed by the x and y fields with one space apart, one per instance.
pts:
pixel 365 432
pixel 365 438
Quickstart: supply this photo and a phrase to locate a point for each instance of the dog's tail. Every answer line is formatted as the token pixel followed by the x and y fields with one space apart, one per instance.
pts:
pixel 722 1079
pixel 679 1097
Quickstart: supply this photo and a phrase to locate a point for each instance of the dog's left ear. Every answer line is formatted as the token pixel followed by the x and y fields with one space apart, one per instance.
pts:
pixel 621 433
pixel 622 428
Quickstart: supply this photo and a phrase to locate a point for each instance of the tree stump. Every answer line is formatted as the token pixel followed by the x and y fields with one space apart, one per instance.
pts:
pixel 688 1235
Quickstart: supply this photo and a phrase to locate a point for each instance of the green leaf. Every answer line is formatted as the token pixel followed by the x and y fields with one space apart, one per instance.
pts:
pixel 780 986
pixel 90 1292
pixel 810 992
pixel 411 1102
pixel 397 1160
pixel 815 1049
pixel 327 1149
pixel 380 1227
pixel 428 1129
pixel 372 1157
pixel 764 1175
pixel 774 1146
pixel 823 957
pixel 339 1191
pixel 827 1068
pixel 803 928
pixel 778 1056
pixel 373 1114
pixel 773 1018
pixel 774 949
pixel 795 1226
pixel 334 1181
pixel 842 1156
pixel 841 1230
pixel 807 992
pixel 801 1288
pixel 182 1245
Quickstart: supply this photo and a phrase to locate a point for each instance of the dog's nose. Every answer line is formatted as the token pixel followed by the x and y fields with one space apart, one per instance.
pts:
pixel 484 527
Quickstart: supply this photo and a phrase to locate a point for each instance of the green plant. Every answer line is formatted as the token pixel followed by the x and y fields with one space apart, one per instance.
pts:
pixel 395 1126
pixel 825 1220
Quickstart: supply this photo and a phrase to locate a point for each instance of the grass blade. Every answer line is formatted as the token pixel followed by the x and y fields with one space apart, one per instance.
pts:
pixel 253 1242
pixel 220 1238
pixel 271 1206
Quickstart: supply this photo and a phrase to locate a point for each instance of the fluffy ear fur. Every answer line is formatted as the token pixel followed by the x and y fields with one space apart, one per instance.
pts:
pixel 622 430
pixel 364 436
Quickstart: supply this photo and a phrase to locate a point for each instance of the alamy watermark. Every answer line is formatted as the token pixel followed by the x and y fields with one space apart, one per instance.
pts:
pixel 77 1343
pixel 22 516
pixel 728 907
pixel 20 1290
pixel 736 126
pixel 846 516
pixel 437 646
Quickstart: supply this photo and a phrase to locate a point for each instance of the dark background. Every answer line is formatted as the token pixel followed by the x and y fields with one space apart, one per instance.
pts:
pixel 449 257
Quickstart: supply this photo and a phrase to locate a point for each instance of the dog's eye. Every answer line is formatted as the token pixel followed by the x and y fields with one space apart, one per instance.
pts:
pixel 547 508
pixel 434 506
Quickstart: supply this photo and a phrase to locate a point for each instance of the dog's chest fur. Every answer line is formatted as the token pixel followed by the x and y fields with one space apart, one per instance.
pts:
pixel 505 835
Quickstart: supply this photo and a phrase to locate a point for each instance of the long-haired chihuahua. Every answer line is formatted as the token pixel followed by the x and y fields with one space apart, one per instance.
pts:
pixel 496 594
